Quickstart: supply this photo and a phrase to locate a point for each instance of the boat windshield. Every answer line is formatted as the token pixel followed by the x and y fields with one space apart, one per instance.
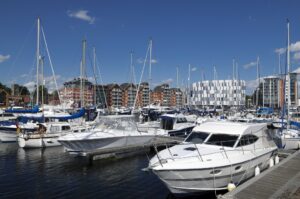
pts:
pixel 120 123
pixel 222 140
pixel 197 137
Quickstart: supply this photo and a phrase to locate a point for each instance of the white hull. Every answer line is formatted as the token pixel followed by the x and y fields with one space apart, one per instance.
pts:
pixel 8 136
pixel 38 142
pixel 290 143
pixel 91 145
pixel 201 180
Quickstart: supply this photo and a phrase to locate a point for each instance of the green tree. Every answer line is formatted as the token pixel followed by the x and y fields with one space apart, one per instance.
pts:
pixel 20 90
pixel 3 94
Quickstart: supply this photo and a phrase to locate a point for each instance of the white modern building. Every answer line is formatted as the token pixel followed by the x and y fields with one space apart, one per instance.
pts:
pixel 218 93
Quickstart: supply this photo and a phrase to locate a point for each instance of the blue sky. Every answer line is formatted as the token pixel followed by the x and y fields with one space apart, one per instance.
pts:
pixel 202 33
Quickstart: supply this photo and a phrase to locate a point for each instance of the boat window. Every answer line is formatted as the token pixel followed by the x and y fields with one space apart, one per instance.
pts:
pixel 247 139
pixel 167 123
pixel 54 129
pixel 181 120
pixel 222 140
pixel 215 172
pixel 197 137
pixel 65 128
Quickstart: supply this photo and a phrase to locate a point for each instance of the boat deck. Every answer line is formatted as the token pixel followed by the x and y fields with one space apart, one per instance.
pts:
pixel 280 181
pixel 120 151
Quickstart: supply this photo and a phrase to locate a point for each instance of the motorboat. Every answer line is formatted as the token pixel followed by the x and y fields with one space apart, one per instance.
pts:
pixel 10 128
pixel 47 134
pixel 214 155
pixel 176 125
pixel 112 132
pixel 290 138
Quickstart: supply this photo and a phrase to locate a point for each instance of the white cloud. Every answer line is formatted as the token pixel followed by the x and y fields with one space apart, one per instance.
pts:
pixel 154 61
pixel 280 50
pixel 82 15
pixel 167 81
pixel 295 47
pixel 193 69
pixel 141 61
pixel 297 56
pixel 4 58
pixel 251 64
pixel 30 86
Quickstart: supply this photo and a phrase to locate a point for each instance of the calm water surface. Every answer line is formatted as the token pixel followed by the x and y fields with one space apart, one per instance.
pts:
pixel 52 173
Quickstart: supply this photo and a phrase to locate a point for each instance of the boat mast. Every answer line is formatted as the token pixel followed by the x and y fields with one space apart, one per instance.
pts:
pixel 288 68
pixel 258 81
pixel 189 80
pixel 82 71
pixel 95 87
pixel 177 77
pixel 150 69
pixel 37 60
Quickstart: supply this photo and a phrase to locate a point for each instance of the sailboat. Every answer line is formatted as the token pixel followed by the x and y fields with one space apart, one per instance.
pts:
pixel 290 138
pixel 46 133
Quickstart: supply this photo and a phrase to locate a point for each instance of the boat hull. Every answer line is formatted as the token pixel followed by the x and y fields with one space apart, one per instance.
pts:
pixel 290 143
pixel 198 181
pixel 8 136
pixel 38 142
pixel 92 145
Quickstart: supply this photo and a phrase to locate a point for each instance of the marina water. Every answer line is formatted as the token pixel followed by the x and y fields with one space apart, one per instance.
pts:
pixel 53 173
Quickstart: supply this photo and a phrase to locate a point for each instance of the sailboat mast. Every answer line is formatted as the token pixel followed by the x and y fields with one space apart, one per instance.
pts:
pixel 37 60
pixel 82 73
pixel 258 80
pixel 95 87
pixel 288 72
pixel 189 80
pixel 177 78
pixel 150 69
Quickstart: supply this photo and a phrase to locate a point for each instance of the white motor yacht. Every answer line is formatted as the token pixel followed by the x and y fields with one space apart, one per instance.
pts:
pixel 214 155
pixel 47 134
pixel 113 131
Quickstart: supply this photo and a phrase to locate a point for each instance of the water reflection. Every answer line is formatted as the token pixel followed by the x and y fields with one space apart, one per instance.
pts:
pixel 52 173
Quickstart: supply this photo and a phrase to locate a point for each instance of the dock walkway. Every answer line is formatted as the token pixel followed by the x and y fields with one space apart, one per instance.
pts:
pixel 280 181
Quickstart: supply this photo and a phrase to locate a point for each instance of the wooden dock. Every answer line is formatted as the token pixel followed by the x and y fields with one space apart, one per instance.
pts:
pixel 280 181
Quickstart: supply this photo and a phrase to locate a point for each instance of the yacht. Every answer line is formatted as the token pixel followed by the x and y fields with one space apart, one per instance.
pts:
pixel 47 134
pixel 176 125
pixel 214 155
pixel 112 132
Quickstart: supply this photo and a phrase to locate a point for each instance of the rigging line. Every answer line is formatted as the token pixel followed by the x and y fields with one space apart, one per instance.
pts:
pixel 50 61
pixel 136 96
pixel 21 49
pixel 101 81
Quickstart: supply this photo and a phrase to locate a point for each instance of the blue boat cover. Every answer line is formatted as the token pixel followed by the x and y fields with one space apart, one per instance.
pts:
pixel 35 109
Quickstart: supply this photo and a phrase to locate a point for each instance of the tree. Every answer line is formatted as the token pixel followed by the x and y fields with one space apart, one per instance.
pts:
pixel 3 95
pixel 20 90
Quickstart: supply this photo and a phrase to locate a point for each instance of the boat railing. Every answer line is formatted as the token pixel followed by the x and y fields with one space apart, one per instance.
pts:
pixel 223 150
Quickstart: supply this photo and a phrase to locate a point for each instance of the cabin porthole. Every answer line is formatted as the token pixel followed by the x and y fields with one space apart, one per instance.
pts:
pixel 215 172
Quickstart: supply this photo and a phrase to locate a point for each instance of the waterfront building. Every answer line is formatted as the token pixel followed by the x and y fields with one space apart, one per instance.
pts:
pixel 114 95
pixel 176 97
pixel 128 94
pixel 218 93
pixel 161 95
pixel 271 88
pixel 292 85
pixel 143 98
pixel 72 90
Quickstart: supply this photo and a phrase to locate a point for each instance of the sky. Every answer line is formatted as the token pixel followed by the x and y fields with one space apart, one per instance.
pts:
pixel 202 33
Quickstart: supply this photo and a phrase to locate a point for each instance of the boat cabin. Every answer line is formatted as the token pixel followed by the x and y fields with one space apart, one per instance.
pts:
pixel 229 134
